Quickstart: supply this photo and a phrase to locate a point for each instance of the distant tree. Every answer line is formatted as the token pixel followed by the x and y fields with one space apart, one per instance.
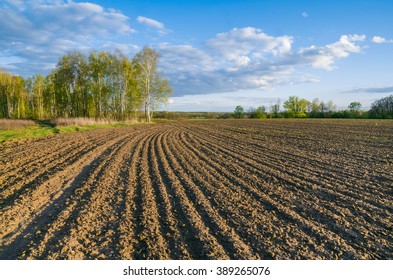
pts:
pixel 98 72
pixel 36 89
pixel 320 109
pixel 109 79
pixel 355 106
pixel 296 107
pixel 13 96
pixel 51 110
pixel 275 109
pixel 382 108
pixel 313 108
pixel 70 81
pixel 328 109
pixel 125 96
pixel 323 108
pixel 239 112
pixel 259 113
pixel 331 106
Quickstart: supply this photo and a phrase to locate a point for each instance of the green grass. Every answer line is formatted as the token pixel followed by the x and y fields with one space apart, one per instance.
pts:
pixel 23 133
pixel 39 131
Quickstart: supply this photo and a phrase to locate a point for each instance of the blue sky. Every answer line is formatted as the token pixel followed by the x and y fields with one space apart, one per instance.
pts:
pixel 218 54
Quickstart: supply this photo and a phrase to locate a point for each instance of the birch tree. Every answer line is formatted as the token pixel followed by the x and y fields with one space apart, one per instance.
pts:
pixel 154 88
pixel 36 87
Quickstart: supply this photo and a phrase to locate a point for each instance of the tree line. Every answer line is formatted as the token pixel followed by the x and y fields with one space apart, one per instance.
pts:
pixel 99 85
pixel 296 107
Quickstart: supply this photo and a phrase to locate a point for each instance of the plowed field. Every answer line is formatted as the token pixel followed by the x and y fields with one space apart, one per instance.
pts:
pixel 270 189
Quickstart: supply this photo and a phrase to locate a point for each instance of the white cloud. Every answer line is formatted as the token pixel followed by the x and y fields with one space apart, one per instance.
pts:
pixel 239 59
pixel 324 57
pixel 150 22
pixel 41 31
pixel 346 45
pixel 220 102
pixel 241 46
pixel 80 18
pixel 248 58
pixel 380 89
pixel 380 40
pixel 185 58
pixel 305 14
pixel 36 33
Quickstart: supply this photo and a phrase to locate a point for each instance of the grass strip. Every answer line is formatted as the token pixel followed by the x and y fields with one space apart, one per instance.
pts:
pixel 39 131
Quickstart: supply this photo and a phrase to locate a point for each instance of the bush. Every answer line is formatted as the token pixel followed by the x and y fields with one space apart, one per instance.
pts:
pixel 239 112
pixel 259 113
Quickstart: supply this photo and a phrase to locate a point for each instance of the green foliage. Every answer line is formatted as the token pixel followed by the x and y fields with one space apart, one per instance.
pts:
pixel 382 108
pixel 320 109
pixel 153 87
pixel 13 96
pixel 354 110
pixel 275 109
pixel 239 112
pixel 355 106
pixel 296 107
pixel 259 113
pixel 100 85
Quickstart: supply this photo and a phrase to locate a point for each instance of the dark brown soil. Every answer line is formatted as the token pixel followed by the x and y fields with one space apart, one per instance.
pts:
pixel 269 189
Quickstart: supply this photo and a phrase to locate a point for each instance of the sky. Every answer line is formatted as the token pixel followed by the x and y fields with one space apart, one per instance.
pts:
pixel 218 54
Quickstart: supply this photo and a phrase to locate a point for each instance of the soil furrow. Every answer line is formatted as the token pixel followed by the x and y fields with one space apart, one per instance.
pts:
pixel 223 189
pixel 217 189
pixel 340 228
pixel 326 194
pixel 238 187
pixel 34 152
pixel 187 233
pixel 291 178
pixel 128 225
pixel 40 169
pixel 262 142
pixel 211 249
pixel 63 205
pixel 333 169
pixel 177 248
pixel 27 208
pixel 41 173
pixel 303 223
pixel 218 227
pixel 88 227
pixel 152 243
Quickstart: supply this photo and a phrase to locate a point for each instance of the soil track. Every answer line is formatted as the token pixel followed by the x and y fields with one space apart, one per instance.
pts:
pixel 270 189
